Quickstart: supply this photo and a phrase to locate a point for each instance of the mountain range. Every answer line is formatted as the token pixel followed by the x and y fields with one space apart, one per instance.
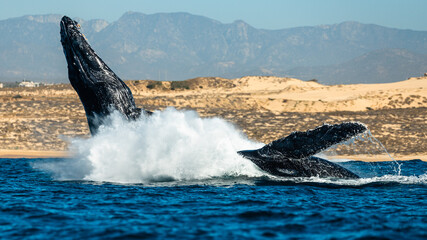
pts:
pixel 178 46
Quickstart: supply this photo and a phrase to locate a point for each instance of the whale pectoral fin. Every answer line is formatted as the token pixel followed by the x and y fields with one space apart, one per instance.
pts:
pixel 304 144
pixel 293 155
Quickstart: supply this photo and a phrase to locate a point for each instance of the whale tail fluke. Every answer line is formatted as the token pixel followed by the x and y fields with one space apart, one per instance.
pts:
pixel 293 155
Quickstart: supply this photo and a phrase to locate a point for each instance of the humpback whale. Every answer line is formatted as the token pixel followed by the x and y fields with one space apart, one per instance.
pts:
pixel 101 92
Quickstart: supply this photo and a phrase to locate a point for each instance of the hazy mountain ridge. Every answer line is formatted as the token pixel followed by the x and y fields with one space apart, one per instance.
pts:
pixel 170 46
pixel 379 66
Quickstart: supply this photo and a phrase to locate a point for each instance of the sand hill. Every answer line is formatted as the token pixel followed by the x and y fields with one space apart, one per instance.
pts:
pixel 265 108
pixel 283 94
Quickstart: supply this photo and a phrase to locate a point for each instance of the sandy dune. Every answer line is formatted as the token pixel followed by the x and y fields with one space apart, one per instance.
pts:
pixel 265 108
pixel 288 94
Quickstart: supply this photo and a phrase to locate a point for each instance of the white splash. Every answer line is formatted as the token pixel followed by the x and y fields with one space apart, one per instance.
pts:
pixel 407 180
pixel 174 145
pixel 169 145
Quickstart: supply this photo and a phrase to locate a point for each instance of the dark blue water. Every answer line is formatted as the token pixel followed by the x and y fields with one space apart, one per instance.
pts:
pixel 36 206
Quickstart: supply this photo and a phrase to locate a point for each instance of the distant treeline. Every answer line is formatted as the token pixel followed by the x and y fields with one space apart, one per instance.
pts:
pixel 10 84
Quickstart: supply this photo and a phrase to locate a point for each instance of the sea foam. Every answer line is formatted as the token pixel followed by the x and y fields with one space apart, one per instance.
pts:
pixel 174 145
pixel 169 145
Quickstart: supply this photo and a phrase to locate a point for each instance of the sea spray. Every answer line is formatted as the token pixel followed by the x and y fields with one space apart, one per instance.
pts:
pixel 174 145
pixel 169 145
pixel 377 180
pixel 364 144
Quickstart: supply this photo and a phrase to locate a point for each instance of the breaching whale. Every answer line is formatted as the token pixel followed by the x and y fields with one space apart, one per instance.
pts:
pixel 101 92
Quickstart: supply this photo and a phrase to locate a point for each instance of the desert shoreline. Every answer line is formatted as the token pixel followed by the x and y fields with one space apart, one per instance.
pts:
pixel 42 121
pixel 6 153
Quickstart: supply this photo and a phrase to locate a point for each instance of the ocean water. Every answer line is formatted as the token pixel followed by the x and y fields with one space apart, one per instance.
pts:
pixel 177 176
pixel 36 206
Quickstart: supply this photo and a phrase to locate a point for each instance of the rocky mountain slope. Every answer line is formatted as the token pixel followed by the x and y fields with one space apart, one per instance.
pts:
pixel 178 46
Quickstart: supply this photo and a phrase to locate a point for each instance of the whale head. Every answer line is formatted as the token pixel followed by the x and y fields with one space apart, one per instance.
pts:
pixel 84 65
pixel 100 90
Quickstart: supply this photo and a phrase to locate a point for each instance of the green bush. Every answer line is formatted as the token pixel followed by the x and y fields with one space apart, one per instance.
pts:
pixel 154 84
pixel 180 85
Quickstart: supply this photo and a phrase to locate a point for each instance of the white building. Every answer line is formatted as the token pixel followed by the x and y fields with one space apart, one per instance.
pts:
pixel 26 83
pixel 1 85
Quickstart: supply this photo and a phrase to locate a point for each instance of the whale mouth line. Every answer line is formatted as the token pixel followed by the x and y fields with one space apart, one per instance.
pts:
pixel 69 38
